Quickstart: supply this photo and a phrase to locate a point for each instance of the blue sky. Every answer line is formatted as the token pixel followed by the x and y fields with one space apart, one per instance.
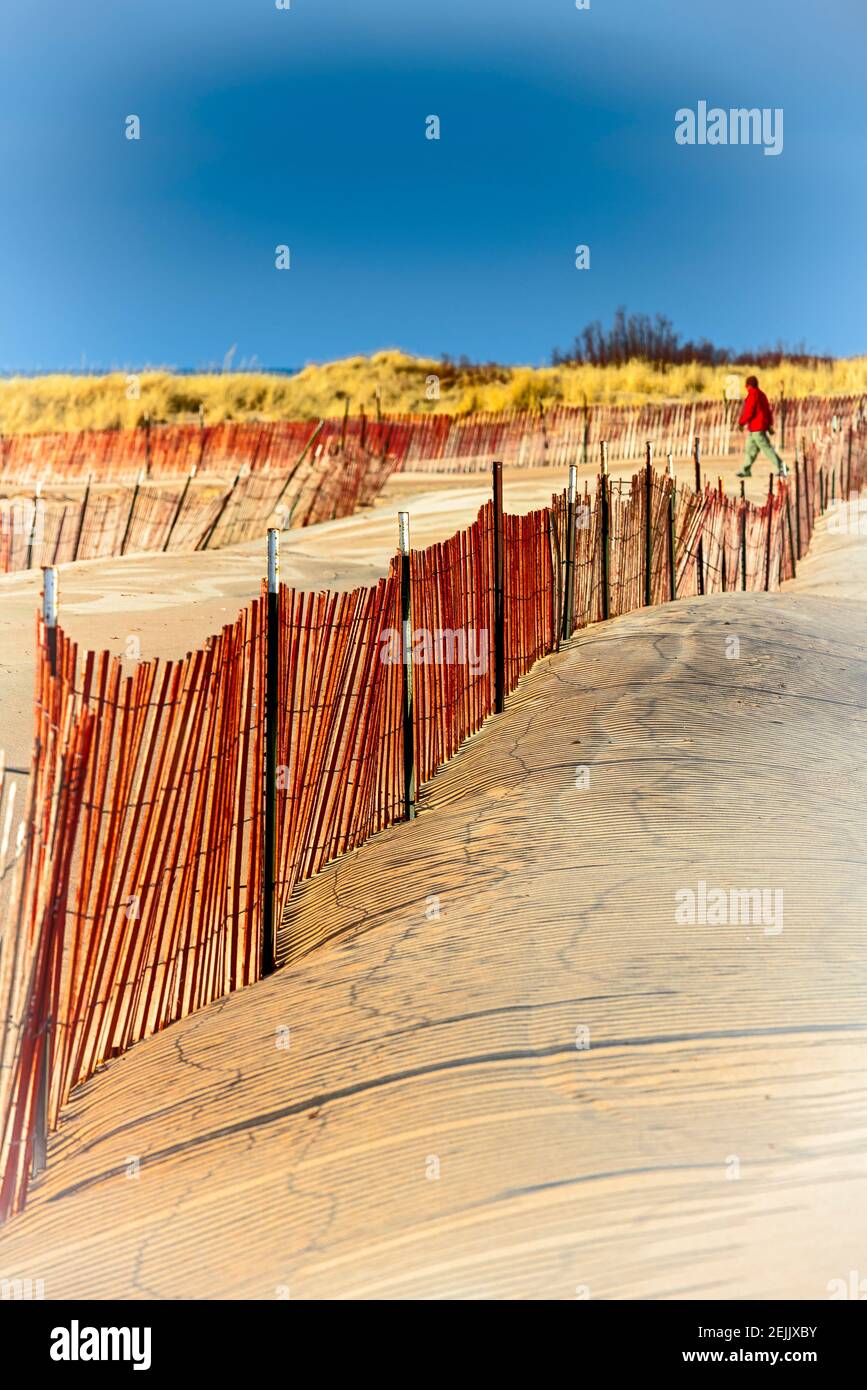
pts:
pixel 307 127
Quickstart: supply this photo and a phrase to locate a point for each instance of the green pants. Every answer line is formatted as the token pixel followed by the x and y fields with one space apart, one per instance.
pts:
pixel 758 440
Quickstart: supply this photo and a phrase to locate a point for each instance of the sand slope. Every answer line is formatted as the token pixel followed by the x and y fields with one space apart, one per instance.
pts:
pixel 171 603
pixel 428 1127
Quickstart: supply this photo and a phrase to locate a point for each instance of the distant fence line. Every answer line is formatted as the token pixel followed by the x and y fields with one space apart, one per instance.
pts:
pixel 171 813
pixel 555 436
pixel 197 514
pixel 164 452
pixel 563 435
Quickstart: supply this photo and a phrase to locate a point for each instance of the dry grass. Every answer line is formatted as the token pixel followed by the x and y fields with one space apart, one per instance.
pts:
pixel 31 404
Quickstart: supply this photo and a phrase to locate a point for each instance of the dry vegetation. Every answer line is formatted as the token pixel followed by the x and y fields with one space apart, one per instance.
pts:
pixel 31 404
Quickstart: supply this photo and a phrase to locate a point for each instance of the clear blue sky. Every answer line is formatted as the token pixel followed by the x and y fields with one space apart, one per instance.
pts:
pixel 306 127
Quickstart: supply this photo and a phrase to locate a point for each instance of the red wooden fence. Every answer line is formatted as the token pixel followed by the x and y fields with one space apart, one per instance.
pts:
pixel 198 514
pixel 136 891
pixel 555 436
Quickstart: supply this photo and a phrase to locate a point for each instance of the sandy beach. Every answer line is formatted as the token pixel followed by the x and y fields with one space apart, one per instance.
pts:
pixel 497 1065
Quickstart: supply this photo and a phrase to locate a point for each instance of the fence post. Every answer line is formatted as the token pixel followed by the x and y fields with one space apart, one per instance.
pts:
pixel 569 593
pixel 555 558
pixel 272 674
pixel 148 444
pixel 135 492
pixel 789 526
pixel 406 638
pixel 604 504
pixel 798 504
pixel 848 465
pixel 59 537
pixel 201 435
pixel 782 422
pixel 179 508
pixel 499 594
pixel 294 469
pixel 770 533
pixel 81 516
pixel 648 527
pixel 743 537
pixel 672 530
pixel 49 614
pixel 544 425
pixel 39 1154
pixel 31 539
pixel 808 498
pixel 722 497
pixel 203 544
pixel 696 453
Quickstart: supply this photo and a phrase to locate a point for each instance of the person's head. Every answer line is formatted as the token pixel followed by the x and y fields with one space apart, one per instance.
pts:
pixel 752 381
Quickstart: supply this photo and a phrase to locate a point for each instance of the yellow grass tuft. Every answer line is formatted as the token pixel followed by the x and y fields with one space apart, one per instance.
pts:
pixel 34 404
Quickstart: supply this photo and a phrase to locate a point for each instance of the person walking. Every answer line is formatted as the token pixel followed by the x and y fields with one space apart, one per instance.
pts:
pixel 758 419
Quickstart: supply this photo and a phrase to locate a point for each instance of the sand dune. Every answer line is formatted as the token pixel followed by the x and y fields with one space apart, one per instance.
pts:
pixel 171 603
pixel 498 1065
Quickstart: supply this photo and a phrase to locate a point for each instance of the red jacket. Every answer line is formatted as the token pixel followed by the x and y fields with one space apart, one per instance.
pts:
pixel 757 411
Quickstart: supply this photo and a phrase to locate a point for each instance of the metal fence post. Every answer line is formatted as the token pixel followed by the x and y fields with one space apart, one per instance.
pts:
pixel 789 527
pixel 406 640
pixel 770 533
pixel 49 614
pixel 722 497
pixel 499 594
pixel 743 537
pixel 809 498
pixel 39 1154
pixel 571 520
pixel 605 517
pixel 648 527
pixel 272 674
pixel 696 453
pixel 672 530
pixel 848 464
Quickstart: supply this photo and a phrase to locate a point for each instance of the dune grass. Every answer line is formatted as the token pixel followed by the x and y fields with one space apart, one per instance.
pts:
pixel 404 383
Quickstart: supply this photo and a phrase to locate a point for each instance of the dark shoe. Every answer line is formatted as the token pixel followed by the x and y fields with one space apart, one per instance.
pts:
pixel 744 473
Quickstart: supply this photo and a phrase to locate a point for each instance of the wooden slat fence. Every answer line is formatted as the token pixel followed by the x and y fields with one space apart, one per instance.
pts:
pixel 134 885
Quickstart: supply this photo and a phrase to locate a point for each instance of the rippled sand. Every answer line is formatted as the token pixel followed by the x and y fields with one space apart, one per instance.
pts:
pixel 496 1064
